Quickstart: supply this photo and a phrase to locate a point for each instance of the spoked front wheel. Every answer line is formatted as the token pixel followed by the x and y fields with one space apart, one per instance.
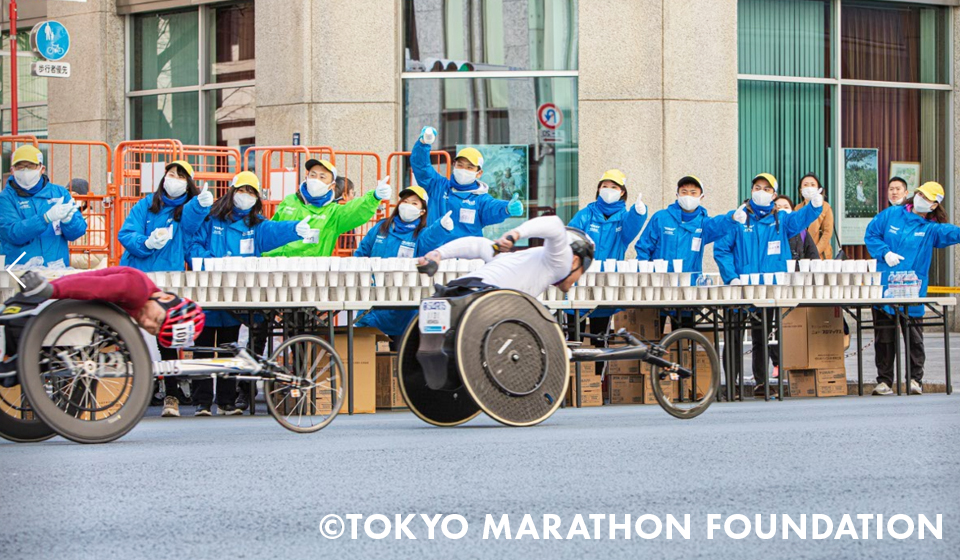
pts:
pixel 307 389
pixel 687 397
pixel 18 422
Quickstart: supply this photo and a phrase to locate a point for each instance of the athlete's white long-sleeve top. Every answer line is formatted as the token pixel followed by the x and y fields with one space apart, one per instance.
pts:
pixel 531 271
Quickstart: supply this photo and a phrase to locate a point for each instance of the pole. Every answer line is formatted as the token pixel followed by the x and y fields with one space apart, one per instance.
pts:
pixel 15 113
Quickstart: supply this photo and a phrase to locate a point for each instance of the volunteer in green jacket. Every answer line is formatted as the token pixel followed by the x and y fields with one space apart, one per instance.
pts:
pixel 328 219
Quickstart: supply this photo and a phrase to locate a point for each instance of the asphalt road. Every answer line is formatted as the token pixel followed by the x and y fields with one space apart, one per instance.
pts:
pixel 242 487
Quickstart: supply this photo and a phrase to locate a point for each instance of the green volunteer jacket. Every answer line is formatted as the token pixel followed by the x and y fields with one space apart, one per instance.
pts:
pixel 331 219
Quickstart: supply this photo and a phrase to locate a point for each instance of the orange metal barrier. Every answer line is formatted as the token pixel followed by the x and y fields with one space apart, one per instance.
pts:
pixel 363 170
pixel 8 144
pixel 213 165
pixel 280 169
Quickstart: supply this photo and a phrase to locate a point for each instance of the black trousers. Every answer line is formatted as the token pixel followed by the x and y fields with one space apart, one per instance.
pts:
pixel 759 340
pixel 171 385
pixel 886 348
pixel 226 386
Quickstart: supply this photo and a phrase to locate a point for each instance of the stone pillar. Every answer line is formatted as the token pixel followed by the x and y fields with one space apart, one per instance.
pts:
pixel 89 105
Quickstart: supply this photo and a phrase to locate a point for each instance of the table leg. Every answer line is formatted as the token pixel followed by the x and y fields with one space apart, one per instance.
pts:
pixel 896 346
pixel 860 351
pixel 783 372
pixel 576 335
pixel 946 348
pixel 350 362
pixel 764 325
pixel 741 325
pixel 906 351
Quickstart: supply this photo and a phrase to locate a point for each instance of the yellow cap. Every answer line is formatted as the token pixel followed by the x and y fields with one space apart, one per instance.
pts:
pixel 472 155
pixel 932 190
pixel 246 179
pixel 326 164
pixel 185 165
pixel 417 190
pixel 28 153
pixel 769 178
pixel 614 175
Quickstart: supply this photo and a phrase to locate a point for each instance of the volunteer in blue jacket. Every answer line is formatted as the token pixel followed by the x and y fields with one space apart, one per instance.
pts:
pixel 235 228
pixel 760 242
pixel 404 234
pixel 36 217
pixel 467 199
pixel 902 238
pixel 683 229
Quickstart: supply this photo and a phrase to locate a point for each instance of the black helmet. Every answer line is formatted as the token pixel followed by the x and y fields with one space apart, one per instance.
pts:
pixel 582 246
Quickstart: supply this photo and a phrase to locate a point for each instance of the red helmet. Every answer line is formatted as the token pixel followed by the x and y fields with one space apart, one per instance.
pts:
pixel 183 323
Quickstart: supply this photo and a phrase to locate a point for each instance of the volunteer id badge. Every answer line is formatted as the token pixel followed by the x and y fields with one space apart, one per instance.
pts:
pixel 695 244
pixel 773 248
pixel 434 316
pixel 405 252
pixel 468 215
pixel 313 237
pixel 246 246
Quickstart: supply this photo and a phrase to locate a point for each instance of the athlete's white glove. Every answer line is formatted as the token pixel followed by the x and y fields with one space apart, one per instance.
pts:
pixel 303 228
pixel 58 212
pixel 639 206
pixel 813 196
pixel 892 258
pixel 158 239
pixel 384 190
pixel 205 198
pixel 428 135
pixel 740 216
pixel 446 222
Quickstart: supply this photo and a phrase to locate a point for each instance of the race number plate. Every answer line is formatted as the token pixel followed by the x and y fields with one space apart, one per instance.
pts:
pixel 434 316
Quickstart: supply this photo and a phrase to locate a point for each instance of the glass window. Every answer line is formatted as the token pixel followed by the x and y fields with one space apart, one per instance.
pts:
pixel 33 121
pixel 232 121
pixel 231 43
pixel 171 115
pixel 785 130
pixel 31 89
pixel 502 127
pixel 895 42
pixel 165 50
pixel 490 35
pixel 784 37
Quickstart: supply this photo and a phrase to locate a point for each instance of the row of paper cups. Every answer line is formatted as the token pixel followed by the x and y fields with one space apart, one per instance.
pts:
pixel 325 264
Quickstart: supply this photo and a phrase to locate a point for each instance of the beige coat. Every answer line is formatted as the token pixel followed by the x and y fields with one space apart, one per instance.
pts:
pixel 821 230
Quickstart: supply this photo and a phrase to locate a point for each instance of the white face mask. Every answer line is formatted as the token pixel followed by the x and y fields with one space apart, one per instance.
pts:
pixel 784 211
pixel 317 188
pixel 408 212
pixel 243 201
pixel 921 205
pixel 807 192
pixel 610 195
pixel 689 203
pixel 175 187
pixel 762 198
pixel 27 178
pixel 464 176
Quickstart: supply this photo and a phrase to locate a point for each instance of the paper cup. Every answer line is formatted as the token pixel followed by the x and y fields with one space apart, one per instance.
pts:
pixel 392 293
pixel 643 279
pixel 749 292
pixel 782 278
pixel 660 266
pixel 819 279
pixel 686 278
pixel 612 279
pixel 791 265
pixel 689 293
pixel 744 279
pixel 610 265
pixel 678 265
pixel 673 280
pixel 726 292
pixel 872 265
pixel 175 279
pixel 196 264
pixel 754 278
pixel 768 278
pixel 804 265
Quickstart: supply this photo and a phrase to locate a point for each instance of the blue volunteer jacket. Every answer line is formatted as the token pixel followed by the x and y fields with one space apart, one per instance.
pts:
pixel 472 209
pixel 611 235
pixel 914 238
pixel 763 244
pixel 140 223
pixel 234 238
pixel 24 229
pixel 668 237
pixel 393 322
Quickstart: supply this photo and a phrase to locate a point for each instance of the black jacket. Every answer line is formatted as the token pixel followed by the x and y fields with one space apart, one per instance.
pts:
pixel 803 247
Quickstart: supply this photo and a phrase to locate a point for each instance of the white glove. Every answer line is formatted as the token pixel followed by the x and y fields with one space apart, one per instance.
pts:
pixel 446 222
pixel 303 228
pixel 736 282
pixel 205 198
pixel 816 200
pixel 428 135
pixel 639 206
pixel 892 258
pixel 69 217
pixel 158 239
pixel 740 216
pixel 58 212
pixel 384 190
pixel 813 196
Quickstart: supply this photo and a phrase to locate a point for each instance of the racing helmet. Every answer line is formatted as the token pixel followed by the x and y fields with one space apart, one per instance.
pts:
pixel 582 246
pixel 183 323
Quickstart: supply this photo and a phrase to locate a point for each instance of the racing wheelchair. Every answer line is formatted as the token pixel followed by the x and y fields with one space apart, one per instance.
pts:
pixel 81 369
pixel 502 352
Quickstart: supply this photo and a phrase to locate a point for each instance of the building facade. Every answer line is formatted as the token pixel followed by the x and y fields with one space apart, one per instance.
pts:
pixel 721 89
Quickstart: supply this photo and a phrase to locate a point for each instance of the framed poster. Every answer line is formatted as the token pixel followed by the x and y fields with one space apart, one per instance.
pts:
pixel 506 172
pixel 860 193
pixel 909 171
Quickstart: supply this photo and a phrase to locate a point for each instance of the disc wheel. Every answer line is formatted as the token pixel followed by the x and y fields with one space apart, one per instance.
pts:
pixel 92 379
pixel 18 422
pixel 687 398
pixel 438 407
pixel 308 389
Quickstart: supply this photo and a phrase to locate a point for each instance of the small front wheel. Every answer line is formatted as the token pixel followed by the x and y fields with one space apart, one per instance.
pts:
pixel 690 397
pixel 306 390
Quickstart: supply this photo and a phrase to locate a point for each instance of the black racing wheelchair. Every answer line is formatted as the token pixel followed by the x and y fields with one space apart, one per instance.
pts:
pixel 81 369
pixel 502 352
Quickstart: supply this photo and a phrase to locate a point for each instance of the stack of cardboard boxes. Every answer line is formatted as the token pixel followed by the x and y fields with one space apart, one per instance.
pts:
pixel 389 396
pixel 630 380
pixel 590 388
pixel 813 352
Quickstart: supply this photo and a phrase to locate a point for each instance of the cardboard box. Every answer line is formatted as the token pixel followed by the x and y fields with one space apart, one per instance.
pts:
pixel 10 401
pixel 116 391
pixel 818 382
pixel 813 339
pixel 669 389
pixel 704 374
pixel 389 396
pixel 626 389
pixel 644 322
pixel 586 368
pixel 590 389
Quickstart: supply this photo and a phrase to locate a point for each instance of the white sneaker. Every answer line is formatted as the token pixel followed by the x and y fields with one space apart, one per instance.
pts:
pixel 882 389
pixel 171 407
pixel 915 388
